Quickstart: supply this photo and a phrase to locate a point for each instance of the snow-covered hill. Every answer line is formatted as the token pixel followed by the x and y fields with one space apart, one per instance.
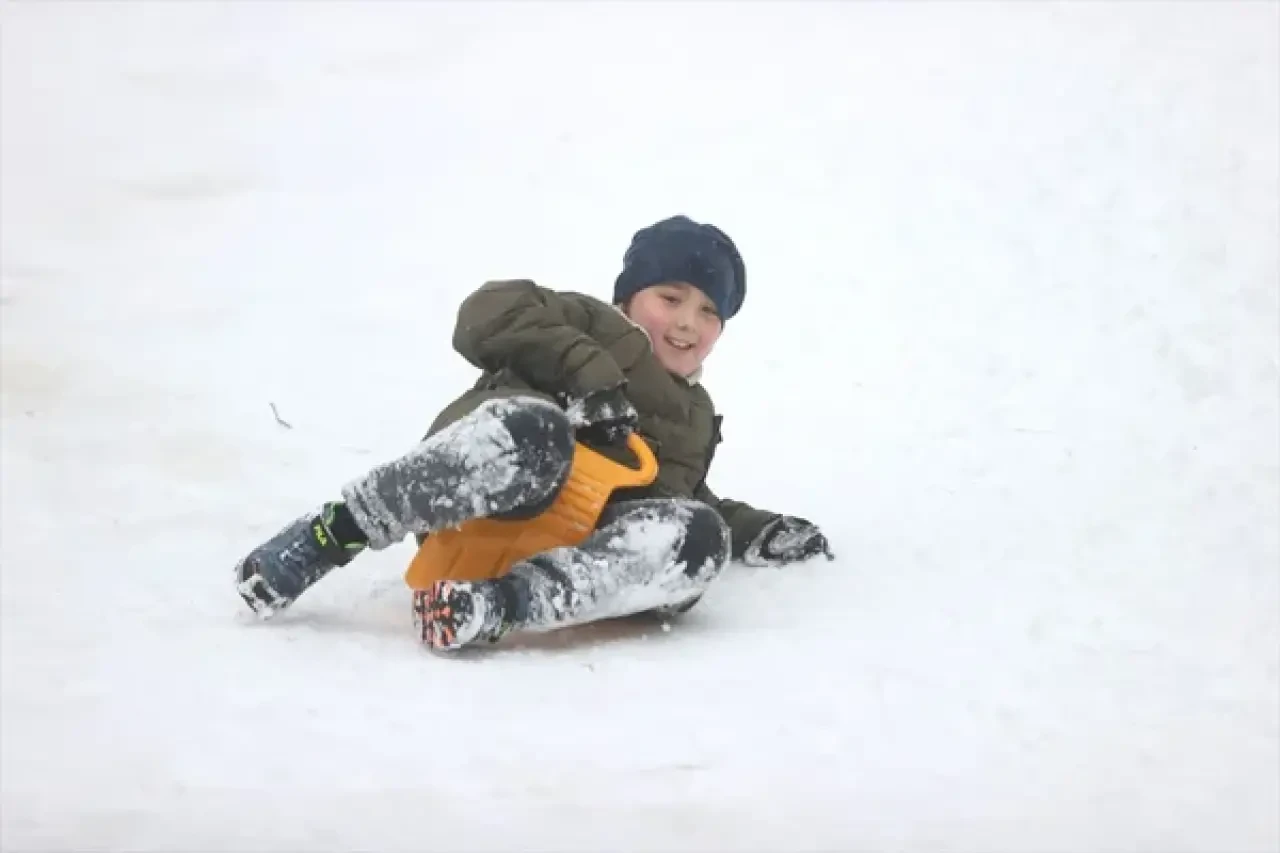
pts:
pixel 1011 337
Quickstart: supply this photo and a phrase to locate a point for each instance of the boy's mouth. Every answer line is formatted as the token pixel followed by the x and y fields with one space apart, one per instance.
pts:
pixel 679 345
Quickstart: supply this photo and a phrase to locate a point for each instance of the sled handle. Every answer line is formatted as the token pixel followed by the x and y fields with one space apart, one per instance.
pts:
pixel 622 476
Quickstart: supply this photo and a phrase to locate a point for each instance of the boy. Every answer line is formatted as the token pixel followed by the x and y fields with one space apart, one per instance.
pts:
pixel 558 368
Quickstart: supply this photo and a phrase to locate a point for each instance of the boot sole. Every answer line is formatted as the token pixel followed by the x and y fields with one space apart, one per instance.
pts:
pixel 439 612
pixel 257 593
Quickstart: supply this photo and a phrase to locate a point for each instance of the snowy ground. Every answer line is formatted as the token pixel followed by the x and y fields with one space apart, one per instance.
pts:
pixel 1011 338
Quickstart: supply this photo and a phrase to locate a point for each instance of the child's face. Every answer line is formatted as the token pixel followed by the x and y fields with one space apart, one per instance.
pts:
pixel 681 321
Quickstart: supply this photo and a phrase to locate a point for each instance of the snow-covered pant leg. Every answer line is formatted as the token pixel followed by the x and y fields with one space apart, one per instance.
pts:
pixel 506 455
pixel 657 554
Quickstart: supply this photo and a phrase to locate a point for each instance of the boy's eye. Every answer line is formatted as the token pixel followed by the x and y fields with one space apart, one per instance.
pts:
pixel 670 298
pixel 709 309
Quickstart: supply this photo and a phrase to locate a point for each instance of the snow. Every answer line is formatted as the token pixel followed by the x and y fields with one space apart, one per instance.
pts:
pixel 1011 339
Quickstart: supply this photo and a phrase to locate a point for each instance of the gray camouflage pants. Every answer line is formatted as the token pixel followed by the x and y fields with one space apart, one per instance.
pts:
pixel 509 458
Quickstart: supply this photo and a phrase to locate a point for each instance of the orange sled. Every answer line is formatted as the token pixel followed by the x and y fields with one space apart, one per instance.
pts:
pixel 486 548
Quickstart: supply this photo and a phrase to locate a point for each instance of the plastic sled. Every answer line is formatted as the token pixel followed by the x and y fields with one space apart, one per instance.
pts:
pixel 485 548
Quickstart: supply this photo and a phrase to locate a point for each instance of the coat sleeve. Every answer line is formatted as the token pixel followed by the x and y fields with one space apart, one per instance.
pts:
pixel 745 521
pixel 535 333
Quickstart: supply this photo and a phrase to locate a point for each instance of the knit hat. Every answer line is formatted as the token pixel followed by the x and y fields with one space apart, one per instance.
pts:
pixel 679 249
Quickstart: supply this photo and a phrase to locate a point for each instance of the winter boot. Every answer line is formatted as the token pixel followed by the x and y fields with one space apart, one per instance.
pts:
pixel 453 614
pixel 287 565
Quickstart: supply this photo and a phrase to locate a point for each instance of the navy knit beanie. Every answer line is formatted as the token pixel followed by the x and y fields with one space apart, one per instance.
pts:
pixel 679 249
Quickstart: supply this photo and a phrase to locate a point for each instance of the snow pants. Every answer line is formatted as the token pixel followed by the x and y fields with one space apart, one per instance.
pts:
pixel 508 458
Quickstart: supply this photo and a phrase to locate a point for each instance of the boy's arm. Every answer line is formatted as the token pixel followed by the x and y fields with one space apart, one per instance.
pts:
pixel 745 521
pixel 535 333
pixel 762 538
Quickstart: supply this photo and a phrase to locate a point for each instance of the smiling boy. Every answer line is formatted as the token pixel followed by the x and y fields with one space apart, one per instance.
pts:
pixel 559 367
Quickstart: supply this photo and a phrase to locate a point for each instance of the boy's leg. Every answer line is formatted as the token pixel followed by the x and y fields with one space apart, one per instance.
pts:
pixel 507 454
pixel 658 554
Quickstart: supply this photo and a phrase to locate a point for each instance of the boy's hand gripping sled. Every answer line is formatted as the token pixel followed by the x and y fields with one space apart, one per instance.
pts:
pixel 486 548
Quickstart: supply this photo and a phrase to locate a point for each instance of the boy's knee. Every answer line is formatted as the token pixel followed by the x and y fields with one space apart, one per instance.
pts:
pixel 531 420
pixel 704 554
pixel 539 429
pixel 544 443
pixel 706 545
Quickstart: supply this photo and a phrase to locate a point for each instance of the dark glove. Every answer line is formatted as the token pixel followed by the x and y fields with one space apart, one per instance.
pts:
pixel 786 539
pixel 602 417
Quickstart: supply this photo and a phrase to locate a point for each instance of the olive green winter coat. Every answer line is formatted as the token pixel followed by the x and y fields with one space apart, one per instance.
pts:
pixel 528 339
